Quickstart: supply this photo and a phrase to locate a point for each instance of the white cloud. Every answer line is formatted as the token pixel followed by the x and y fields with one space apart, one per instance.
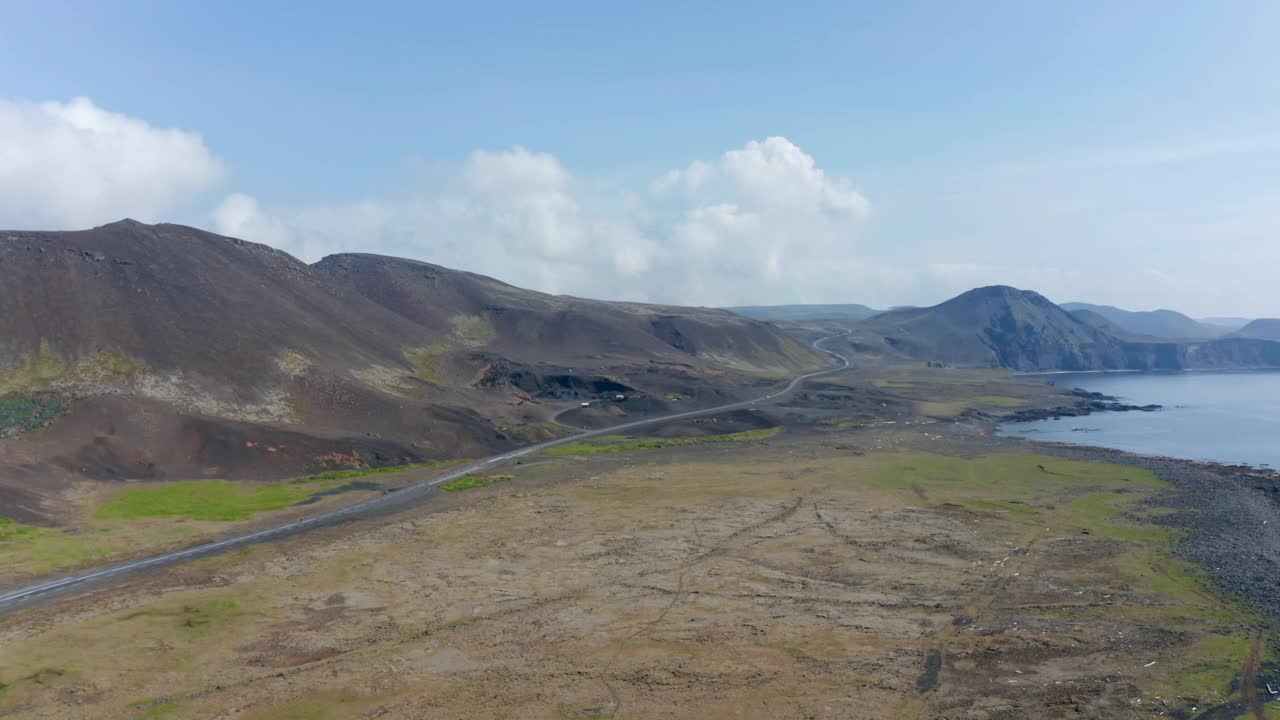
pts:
pixel 72 165
pixel 776 172
pixel 691 178
pixel 762 222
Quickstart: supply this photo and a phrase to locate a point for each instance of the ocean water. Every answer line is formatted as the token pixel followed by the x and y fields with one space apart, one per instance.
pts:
pixel 1226 417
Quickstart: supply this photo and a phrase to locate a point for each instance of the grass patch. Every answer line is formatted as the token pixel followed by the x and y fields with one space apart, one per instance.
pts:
pixel 893 384
pixel 426 361
pixel 473 331
pixel 1027 498
pixel 11 531
pixel 106 364
pixel 1210 664
pixel 845 423
pixel 1055 495
pixel 952 408
pixel 202 500
pixel 1003 401
pixel 532 432
pixel 623 443
pixel 387 470
pixel 34 371
pixel 43 550
pixel 292 363
pixel 470 482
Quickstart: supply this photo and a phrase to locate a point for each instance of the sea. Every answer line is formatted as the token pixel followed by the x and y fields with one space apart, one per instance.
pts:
pixel 1230 417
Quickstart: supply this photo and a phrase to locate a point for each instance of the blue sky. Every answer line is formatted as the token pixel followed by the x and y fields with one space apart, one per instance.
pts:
pixel 1108 152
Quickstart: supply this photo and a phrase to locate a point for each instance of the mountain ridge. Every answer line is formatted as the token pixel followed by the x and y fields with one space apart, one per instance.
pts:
pixel 1168 324
pixel 1004 327
pixel 170 351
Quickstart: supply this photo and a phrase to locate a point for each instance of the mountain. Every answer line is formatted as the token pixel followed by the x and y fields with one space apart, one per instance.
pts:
pixel 161 351
pixel 520 325
pixel 803 313
pixel 1154 323
pixel 998 326
pixel 1262 329
pixel 1226 324
pixel 1005 327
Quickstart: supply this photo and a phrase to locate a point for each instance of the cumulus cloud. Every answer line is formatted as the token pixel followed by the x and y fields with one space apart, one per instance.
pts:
pixel 74 164
pixel 760 221
pixel 691 178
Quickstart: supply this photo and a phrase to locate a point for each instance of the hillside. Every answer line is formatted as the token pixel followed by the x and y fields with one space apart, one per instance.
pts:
pixel 998 326
pixel 161 351
pixel 1261 329
pixel 805 313
pixel 524 326
pixel 1226 324
pixel 1021 330
pixel 1155 323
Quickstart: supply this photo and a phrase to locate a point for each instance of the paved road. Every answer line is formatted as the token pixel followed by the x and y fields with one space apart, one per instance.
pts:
pixel 84 580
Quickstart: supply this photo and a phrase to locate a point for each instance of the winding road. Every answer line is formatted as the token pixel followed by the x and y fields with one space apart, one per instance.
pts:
pixel 29 595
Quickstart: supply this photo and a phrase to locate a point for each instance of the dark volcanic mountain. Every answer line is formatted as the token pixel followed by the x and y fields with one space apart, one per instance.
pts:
pixel 1021 330
pixel 806 313
pixel 998 326
pixel 1155 323
pixel 163 351
pixel 532 327
pixel 1262 329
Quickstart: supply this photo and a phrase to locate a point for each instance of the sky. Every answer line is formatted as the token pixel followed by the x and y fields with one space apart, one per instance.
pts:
pixel 692 153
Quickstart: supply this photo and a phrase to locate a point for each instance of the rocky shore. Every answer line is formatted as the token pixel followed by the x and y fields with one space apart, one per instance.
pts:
pixel 1086 403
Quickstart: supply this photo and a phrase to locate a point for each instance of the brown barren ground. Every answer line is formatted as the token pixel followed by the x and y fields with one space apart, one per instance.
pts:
pixel 792 578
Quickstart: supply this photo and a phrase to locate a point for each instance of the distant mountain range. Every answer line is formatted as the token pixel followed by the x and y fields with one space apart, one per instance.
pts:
pixel 805 313
pixel 1265 328
pixel 1000 326
pixel 1153 323
pixel 1229 324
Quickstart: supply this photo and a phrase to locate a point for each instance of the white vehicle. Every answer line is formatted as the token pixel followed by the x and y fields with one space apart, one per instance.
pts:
pixel 586 404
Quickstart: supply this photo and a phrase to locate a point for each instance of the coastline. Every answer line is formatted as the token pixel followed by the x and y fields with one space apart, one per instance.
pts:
pixel 1230 514
pixel 1153 371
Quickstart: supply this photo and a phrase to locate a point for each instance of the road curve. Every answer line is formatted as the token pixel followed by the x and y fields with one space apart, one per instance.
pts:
pixel 26 596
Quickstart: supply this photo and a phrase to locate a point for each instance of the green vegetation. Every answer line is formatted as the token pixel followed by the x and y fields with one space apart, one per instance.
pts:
pixel 892 384
pixel 46 549
pixel 534 432
pixel 473 331
pixel 292 363
pixel 426 361
pixel 845 423
pixel 44 367
pixel 622 443
pixel 10 530
pixel 1029 498
pixel 388 470
pixel 34 370
pixel 202 500
pixel 469 482
pixel 951 408
pixel 21 413
pixel 1068 495
pixel 108 363
pixel 998 401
